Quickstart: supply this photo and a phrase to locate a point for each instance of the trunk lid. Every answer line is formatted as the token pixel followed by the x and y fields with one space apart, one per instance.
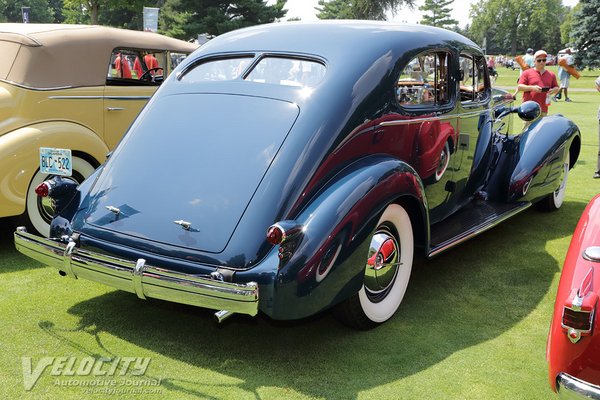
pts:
pixel 193 158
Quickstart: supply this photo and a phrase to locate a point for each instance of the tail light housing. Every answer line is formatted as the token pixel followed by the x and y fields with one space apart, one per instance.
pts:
pixel 43 189
pixel 578 312
pixel 284 234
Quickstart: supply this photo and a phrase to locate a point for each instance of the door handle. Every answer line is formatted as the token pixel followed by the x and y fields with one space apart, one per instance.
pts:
pixel 115 108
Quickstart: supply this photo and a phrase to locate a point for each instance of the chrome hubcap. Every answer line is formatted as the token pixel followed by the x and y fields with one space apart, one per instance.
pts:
pixel 382 265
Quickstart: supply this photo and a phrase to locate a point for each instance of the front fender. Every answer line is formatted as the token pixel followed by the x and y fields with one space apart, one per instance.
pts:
pixel 540 152
pixel 327 265
pixel 19 156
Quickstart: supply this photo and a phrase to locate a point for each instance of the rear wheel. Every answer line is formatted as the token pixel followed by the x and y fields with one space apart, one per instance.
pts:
pixel 554 200
pixel 387 272
pixel 40 210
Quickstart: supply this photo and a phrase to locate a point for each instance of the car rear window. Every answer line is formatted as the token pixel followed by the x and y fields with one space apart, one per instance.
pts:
pixel 287 72
pixel 226 69
pixel 278 70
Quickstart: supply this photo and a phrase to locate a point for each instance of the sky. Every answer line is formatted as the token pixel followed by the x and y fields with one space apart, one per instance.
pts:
pixel 304 9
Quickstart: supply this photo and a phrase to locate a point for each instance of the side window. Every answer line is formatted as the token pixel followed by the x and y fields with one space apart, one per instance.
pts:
pixel 424 81
pixel 472 79
pixel 136 67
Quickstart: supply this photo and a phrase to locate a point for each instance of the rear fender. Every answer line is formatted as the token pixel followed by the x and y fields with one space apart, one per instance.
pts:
pixel 327 264
pixel 19 156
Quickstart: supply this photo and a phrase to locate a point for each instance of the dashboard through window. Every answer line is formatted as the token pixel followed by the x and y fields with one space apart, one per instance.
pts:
pixel 472 82
pixel 424 81
pixel 131 67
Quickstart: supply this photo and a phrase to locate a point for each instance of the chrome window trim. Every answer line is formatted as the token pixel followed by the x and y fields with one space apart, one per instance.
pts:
pixel 99 97
pixel 434 118
pixel 23 86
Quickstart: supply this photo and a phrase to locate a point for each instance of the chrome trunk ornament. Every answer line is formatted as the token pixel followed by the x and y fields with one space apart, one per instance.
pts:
pixel 184 224
pixel 113 210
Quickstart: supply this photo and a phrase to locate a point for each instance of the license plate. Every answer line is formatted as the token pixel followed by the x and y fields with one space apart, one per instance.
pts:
pixel 56 161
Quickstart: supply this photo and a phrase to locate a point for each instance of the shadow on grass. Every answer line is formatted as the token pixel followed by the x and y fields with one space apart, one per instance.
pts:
pixel 10 259
pixel 467 296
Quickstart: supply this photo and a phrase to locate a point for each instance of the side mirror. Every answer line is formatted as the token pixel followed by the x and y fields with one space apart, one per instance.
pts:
pixel 529 110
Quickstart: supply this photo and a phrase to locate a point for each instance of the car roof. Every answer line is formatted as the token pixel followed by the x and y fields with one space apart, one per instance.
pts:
pixel 63 55
pixel 336 40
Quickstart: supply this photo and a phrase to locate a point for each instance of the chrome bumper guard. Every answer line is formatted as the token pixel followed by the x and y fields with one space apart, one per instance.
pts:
pixel 146 281
pixel 569 387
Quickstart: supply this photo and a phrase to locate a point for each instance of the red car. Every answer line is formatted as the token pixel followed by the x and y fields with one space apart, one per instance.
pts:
pixel 573 350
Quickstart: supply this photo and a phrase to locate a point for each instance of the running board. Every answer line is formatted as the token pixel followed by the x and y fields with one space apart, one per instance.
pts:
pixel 474 219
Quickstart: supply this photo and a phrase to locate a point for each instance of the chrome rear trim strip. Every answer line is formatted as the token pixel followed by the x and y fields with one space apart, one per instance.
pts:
pixel 569 387
pixel 146 281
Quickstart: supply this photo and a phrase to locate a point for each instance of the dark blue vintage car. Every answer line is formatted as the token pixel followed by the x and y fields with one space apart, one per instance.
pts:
pixel 296 167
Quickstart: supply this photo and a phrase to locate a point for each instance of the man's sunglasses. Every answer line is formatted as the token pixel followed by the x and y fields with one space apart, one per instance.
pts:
pixel 541 60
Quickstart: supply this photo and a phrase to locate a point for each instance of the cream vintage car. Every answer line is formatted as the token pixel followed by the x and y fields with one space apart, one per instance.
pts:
pixel 70 86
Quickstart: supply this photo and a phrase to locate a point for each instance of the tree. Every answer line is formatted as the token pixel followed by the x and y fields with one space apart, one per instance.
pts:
pixel 215 17
pixel 440 13
pixel 82 11
pixel 511 26
pixel 40 11
pixel 360 9
pixel 586 34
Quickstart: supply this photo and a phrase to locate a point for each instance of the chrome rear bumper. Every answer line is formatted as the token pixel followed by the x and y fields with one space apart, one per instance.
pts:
pixel 146 281
pixel 569 387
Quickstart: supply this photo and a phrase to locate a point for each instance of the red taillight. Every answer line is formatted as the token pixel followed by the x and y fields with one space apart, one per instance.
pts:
pixel 578 311
pixel 275 235
pixel 42 190
pixel 579 320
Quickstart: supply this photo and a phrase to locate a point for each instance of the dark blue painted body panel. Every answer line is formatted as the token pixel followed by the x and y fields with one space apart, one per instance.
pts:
pixel 234 157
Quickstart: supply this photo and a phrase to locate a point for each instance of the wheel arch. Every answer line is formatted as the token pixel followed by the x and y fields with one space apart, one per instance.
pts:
pixel 574 150
pixel 419 219
pixel 19 160
pixel 346 212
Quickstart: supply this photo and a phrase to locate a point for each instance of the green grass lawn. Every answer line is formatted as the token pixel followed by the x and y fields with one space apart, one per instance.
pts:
pixel 473 324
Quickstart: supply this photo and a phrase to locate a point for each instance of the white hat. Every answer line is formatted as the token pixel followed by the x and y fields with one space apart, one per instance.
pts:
pixel 539 53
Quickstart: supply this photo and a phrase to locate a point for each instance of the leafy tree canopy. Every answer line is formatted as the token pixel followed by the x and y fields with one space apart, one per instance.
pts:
pixel 360 9
pixel 586 34
pixel 193 17
pixel 512 26
pixel 40 11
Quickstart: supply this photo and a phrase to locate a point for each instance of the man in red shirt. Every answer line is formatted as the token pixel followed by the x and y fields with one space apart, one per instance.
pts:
pixel 537 83
pixel 122 67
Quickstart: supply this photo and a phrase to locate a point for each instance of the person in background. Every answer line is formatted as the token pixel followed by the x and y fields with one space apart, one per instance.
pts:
pixel 528 58
pixel 150 62
pixel 491 64
pixel 537 83
pixel 564 77
pixel 597 173
pixel 122 67
pixel 529 61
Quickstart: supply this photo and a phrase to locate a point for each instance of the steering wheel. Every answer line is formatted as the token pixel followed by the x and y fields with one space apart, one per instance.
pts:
pixel 146 76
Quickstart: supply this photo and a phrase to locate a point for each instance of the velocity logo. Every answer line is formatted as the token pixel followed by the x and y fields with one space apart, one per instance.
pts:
pixel 87 366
